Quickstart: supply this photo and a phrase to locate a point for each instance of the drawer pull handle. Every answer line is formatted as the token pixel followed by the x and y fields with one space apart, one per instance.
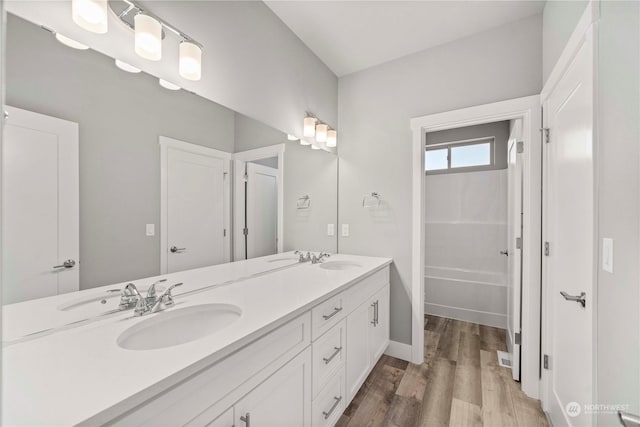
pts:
pixel 330 358
pixel 336 310
pixel 375 322
pixel 333 408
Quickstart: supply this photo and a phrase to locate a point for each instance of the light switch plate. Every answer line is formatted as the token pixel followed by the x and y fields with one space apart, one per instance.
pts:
pixel 607 255
pixel 151 230
pixel 345 230
pixel 331 230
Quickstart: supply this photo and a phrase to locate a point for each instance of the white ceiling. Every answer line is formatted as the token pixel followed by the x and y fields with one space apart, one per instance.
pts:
pixel 350 36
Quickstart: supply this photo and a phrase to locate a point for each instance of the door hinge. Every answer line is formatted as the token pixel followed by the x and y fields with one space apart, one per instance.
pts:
pixel 245 231
pixel 518 338
pixel 520 147
pixel 546 248
pixel 518 242
pixel 546 136
pixel 545 362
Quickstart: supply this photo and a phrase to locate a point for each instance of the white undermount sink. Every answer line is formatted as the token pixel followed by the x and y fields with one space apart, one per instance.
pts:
pixel 339 265
pixel 177 326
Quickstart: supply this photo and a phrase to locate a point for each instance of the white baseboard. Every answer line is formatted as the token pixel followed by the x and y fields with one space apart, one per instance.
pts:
pixel 481 317
pixel 399 350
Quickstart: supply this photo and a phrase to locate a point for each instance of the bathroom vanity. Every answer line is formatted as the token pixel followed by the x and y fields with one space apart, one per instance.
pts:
pixel 290 347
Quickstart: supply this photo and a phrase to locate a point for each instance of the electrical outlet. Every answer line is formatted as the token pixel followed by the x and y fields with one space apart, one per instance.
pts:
pixel 345 230
pixel 331 230
pixel 151 230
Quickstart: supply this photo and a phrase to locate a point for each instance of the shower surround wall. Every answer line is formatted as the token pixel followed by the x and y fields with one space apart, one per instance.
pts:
pixel 466 228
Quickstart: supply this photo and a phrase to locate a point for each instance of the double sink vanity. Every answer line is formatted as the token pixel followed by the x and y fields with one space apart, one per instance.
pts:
pixel 265 341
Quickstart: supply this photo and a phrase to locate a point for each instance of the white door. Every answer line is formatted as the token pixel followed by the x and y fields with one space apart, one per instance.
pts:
pixel 194 222
pixel 568 220
pixel 262 210
pixel 40 220
pixel 283 400
pixel 514 251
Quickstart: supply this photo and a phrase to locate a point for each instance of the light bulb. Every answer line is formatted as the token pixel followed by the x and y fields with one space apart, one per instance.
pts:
pixel 70 42
pixel 292 137
pixel 303 142
pixel 127 67
pixel 148 37
pixel 90 15
pixel 332 138
pixel 321 132
pixel 168 85
pixel 190 65
pixel 309 127
pixel 315 147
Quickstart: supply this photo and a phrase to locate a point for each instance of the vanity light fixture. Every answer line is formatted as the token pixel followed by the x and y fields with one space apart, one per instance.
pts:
pixel 309 129
pixel 190 62
pixel 292 137
pixel 303 142
pixel 90 15
pixel 332 138
pixel 168 85
pixel 148 37
pixel 321 132
pixel 127 67
pixel 315 147
pixel 70 42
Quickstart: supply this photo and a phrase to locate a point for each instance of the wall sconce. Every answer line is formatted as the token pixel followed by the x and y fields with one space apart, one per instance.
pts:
pixel 148 37
pixel 332 138
pixel 190 66
pixel 90 15
pixel 321 131
pixel 309 129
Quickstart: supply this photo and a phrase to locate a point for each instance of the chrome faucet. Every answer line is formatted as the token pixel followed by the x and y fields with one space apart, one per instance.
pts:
pixel 303 257
pixel 152 303
pixel 165 300
pixel 320 258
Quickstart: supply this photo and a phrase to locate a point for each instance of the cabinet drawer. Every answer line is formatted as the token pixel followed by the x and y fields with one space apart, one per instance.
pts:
pixel 362 291
pixel 327 314
pixel 329 354
pixel 330 403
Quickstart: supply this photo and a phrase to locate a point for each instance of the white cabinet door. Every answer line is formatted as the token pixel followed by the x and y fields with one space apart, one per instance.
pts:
pixel 358 358
pixel 379 324
pixel 283 400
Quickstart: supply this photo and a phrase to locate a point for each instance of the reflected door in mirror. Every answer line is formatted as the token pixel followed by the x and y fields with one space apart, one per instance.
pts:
pixel 40 224
pixel 262 210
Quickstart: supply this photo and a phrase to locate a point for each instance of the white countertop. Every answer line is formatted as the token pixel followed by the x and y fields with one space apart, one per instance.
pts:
pixel 80 374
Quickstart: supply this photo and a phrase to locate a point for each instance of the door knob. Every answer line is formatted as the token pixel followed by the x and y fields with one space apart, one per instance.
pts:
pixel 628 420
pixel 504 253
pixel 175 249
pixel 67 264
pixel 582 298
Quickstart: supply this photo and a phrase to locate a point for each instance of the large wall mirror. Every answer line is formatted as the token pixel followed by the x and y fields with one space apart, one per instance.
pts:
pixel 110 177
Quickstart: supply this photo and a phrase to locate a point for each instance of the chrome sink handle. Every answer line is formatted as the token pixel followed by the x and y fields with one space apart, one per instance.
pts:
pixel 165 300
pixel 320 258
pixel 129 296
pixel 151 292
pixel 303 257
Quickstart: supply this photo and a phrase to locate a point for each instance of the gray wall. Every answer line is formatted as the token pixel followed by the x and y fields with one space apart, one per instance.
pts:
pixel 250 134
pixel 559 19
pixel 121 116
pixel 499 130
pixel 375 106
pixel 618 113
pixel 252 62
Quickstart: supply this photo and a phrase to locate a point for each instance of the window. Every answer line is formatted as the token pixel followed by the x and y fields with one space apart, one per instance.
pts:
pixel 460 156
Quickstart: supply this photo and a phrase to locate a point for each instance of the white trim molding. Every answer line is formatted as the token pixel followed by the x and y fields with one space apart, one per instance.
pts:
pixel 399 350
pixel 528 110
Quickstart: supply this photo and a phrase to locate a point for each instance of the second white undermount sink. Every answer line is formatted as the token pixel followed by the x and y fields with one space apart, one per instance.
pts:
pixel 340 265
pixel 177 326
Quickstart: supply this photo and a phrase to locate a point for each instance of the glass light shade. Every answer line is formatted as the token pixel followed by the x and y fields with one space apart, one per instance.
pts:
pixel 309 129
pixel 321 132
pixel 148 38
pixel 90 15
pixel 70 42
pixel 190 66
pixel 168 85
pixel 303 142
pixel 127 67
pixel 332 138
pixel 315 147
pixel 292 137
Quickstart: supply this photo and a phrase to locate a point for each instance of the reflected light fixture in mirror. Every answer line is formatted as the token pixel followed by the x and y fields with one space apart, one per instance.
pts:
pixel 303 142
pixel 127 67
pixel 168 85
pixel 70 42
pixel 315 147
pixel 332 138
pixel 190 62
pixel 292 137
pixel 148 37
pixel 309 127
pixel 90 15
pixel 321 132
